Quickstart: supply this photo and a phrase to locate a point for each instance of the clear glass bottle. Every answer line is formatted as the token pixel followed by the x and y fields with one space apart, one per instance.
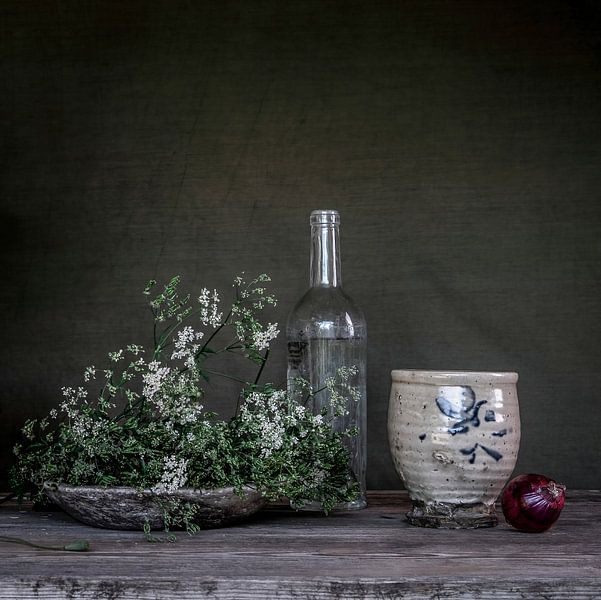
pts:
pixel 325 331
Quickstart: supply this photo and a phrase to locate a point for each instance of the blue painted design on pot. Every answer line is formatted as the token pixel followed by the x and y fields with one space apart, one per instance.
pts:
pixel 471 452
pixel 459 402
pixel 491 452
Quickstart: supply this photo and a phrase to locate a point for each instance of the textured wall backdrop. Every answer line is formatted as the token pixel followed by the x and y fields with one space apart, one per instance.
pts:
pixel 459 140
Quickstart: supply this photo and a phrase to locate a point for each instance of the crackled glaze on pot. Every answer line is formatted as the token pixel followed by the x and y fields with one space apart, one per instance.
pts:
pixel 454 438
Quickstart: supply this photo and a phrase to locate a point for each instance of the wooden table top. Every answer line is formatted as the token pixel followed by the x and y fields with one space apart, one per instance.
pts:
pixel 282 554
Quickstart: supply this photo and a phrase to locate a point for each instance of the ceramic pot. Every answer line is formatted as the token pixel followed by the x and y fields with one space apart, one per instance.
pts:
pixel 454 438
pixel 130 508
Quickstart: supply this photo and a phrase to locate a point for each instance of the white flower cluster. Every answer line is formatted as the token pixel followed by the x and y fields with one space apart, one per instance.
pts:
pixel 154 378
pixel 116 356
pixel 184 410
pixel 89 373
pixel 28 429
pixel 185 346
pixel 272 415
pixel 73 397
pixel 89 431
pixel 250 331
pixel 209 308
pixel 260 412
pixel 262 338
pixel 174 393
pixel 340 389
pixel 346 373
pixel 254 293
pixel 175 475
pixel 251 297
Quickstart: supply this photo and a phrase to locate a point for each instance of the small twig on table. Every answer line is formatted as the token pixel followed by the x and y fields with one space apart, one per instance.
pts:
pixel 76 546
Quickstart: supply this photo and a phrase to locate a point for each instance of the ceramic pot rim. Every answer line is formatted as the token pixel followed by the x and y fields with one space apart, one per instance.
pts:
pixel 452 377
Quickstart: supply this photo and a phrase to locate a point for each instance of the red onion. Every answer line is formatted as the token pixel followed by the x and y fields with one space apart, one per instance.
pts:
pixel 532 502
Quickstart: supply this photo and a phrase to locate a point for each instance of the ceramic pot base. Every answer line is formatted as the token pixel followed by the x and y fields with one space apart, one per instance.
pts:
pixel 452 516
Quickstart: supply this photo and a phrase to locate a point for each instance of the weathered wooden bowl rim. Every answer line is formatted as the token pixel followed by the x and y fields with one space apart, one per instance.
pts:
pixel 184 493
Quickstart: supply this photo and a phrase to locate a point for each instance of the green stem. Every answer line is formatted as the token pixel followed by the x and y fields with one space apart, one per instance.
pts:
pixel 233 345
pixel 158 348
pixel 205 345
pixel 76 546
pixel 229 314
pixel 128 409
pixel 226 376
pixel 262 367
pixel 263 363
pixel 313 394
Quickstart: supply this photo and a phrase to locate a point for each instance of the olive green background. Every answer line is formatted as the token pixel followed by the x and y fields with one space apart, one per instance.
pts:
pixel 459 140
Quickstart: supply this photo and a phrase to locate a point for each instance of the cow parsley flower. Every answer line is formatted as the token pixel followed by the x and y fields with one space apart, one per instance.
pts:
pixel 116 356
pixel 262 338
pixel 174 475
pixel 209 308
pixel 184 346
pixel 154 378
pixel 89 373
pixel 134 349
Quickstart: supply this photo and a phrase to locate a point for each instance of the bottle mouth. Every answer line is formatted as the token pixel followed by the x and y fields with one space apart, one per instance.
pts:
pixel 325 217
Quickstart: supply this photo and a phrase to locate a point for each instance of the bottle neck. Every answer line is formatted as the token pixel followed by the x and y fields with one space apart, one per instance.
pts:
pixel 325 256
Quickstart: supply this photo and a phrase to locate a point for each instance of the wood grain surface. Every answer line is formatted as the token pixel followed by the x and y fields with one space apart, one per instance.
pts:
pixel 371 554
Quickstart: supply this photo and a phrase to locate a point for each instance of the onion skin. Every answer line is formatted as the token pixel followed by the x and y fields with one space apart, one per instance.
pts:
pixel 532 503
